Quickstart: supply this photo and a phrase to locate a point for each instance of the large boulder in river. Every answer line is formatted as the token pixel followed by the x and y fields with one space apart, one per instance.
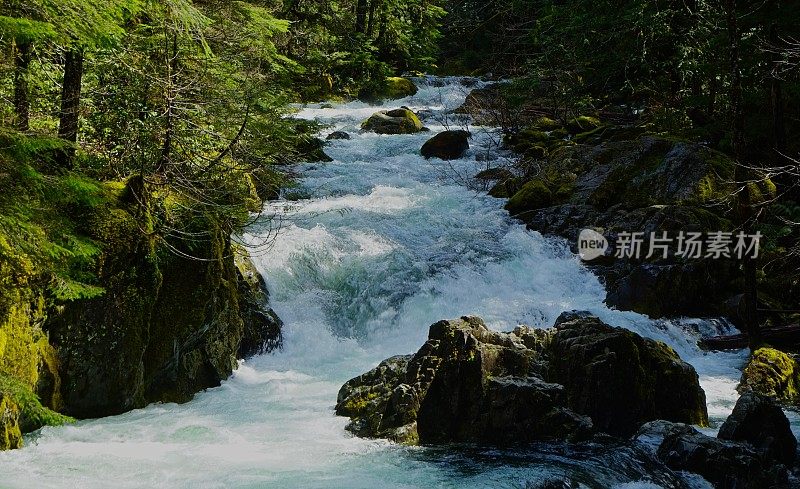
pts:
pixel 470 384
pixel 447 145
pixel 466 383
pixel 396 121
pixel 759 421
pixel 393 87
pixel 620 379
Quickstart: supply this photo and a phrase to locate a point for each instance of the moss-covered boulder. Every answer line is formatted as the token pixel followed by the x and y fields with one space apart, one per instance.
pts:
pixel 447 145
pixel 396 121
pixel 494 174
pixel 392 88
pixel 582 124
pixel 533 195
pixel 772 373
pixel 470 384
pixel 546 124
pixel 399 87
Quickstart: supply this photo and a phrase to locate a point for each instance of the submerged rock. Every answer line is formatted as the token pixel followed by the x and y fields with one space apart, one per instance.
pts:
pixel 759 421
pixel 447 145
pixel 396 121
pixel 470 384
pixel 338 135
pixel 724 464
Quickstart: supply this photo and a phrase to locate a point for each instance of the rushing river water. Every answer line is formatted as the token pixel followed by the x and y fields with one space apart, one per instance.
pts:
pixel 387 244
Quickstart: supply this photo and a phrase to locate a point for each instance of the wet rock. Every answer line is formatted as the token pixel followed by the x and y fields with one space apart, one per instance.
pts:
pixel 724 464
pixel 485 105
pixel 772 373
pixel 759 421
pixel 338 135
pixel 653 433
pixel 447 145
pixel 396 121
pixel 470 384
pixel 262 326
pixel 622 380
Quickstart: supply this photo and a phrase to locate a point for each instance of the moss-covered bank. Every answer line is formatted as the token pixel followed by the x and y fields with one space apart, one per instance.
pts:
pixel 101 311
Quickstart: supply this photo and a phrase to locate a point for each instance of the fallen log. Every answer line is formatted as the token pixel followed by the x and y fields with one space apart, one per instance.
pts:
pixel 787 336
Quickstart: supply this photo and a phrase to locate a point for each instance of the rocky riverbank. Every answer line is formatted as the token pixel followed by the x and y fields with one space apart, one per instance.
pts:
pixel 166 317
pixel 614 173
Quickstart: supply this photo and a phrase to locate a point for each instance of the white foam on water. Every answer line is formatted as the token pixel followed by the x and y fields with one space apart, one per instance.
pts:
pixel 388 244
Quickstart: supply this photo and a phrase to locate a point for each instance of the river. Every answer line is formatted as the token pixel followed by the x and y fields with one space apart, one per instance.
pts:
pixel 382 244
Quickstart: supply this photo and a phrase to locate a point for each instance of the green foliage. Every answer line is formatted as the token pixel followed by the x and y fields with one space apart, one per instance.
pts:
pixel 40 216
pixel 81 22
pixel 32 414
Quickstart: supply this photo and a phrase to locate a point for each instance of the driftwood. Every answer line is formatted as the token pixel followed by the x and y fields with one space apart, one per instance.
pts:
pixel 778 336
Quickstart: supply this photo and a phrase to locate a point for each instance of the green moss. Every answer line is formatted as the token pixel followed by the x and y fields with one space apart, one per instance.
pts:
pixel 398 87
pixel 533 195
pixel 396 121
pixel 772 373
pixel 582 124
pixel 356 405
pixel 10 433
pixel 592 136
pixel 545 124
pixel 32 414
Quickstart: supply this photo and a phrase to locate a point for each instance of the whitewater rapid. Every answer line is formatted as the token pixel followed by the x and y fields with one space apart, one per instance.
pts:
pixel 382 244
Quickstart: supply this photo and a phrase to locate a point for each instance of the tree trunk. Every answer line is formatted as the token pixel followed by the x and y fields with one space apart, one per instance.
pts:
pixel 382 24
pixel 361 16
pixel 71 96
pixel 170 95
pixel 22 104
pixel 742 176
pixel 776 97
pixel 371 19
